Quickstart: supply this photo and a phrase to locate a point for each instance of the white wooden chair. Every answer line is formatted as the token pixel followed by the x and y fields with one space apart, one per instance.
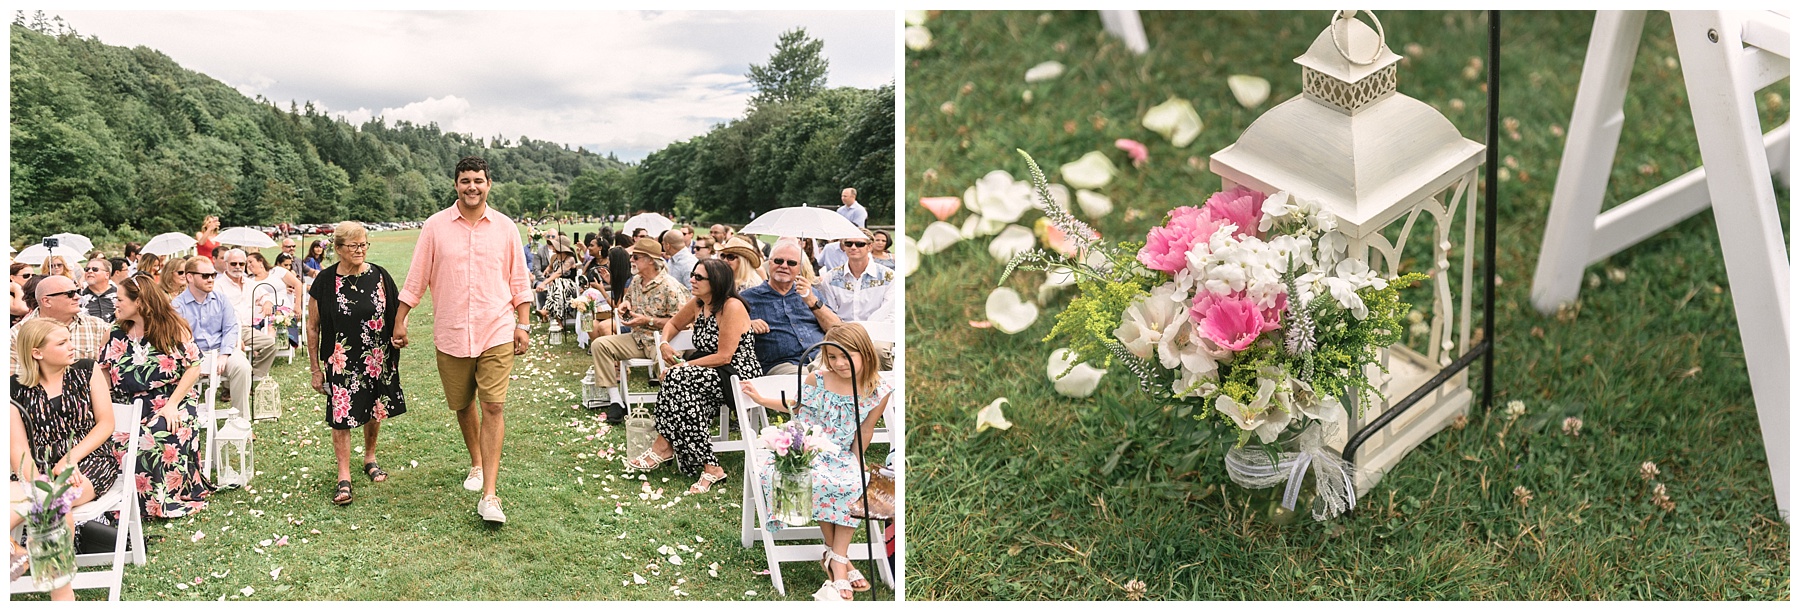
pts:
pixel 122 498
pixel 752 417
pixel 1726 57
pixel 208 413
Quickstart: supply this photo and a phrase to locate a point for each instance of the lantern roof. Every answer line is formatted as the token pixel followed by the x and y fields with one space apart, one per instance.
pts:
pixel 1333 49
pixel 1363 153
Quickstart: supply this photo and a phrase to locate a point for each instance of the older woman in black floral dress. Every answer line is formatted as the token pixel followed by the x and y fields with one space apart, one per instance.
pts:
pixel 349 335
pixel 152 357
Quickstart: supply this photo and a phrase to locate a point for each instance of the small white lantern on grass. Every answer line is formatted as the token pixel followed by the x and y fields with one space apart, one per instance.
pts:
pixel 1378 160
pixel 237 455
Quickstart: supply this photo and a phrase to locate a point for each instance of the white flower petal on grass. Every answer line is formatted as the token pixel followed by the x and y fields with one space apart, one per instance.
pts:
pixel 1175 120
pixel 1009 312
pixel 1091 171
pixel 918 37
pixel 905 254
pixel 1093 204
pixel 275 574
pixel 638 579
pixel 1077 380
pixel 1011 241
pixel 1055 280
pixel 937 237
pixel 999 197
pixel 1044 72
pixel 247 591
pixel 978 226
pixel 917 17
pixel 992 417
pixel 1250 91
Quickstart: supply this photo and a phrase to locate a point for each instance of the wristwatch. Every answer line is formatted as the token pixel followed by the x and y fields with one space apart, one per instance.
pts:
pixel 526 328
pixel 816 304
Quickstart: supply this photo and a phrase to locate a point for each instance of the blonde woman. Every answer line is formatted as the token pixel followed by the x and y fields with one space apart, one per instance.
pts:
pixel 55 265
pixel 745 259
pixel 847 397
pixel 173 281
pixel 206 240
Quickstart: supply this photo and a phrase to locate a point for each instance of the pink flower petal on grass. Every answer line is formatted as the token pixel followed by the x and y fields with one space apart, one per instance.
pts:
pixel 981 324
pixel 1138 153
pixel 942 207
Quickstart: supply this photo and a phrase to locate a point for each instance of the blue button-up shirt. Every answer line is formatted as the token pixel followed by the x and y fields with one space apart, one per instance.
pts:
pixel 855 213
pixel 214 323
pixel 792 327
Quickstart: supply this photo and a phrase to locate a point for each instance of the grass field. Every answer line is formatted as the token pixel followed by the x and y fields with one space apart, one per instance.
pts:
pixel 577 528
pixel 1081 497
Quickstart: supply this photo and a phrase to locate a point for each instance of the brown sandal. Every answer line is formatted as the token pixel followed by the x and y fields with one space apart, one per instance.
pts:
pixel 343 496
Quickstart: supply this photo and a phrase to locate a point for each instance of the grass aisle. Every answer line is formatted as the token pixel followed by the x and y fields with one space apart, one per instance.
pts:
pixel 577 526
pixel 1081 497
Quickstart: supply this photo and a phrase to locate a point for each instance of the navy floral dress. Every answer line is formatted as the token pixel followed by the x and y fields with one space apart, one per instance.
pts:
pixel 356 331
pixel 169 479
pixel 53 426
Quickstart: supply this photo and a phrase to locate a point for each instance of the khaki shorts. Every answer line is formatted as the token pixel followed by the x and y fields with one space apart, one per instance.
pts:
pixel 485 375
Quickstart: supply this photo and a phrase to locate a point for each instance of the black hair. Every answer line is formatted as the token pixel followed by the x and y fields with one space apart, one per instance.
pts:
pixel 472 164
pixel 720 278
pixel 119 263
pixel 131 248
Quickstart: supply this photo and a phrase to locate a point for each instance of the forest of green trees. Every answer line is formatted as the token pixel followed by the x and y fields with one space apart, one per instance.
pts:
pixel 120 144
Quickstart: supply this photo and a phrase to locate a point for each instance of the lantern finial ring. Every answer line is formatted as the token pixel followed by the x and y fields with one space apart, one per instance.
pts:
pixel 1340 35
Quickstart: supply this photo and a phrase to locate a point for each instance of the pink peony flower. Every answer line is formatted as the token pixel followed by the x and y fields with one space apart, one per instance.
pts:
pixel 1230 322
pixel 338 359
pixel 1166 248
pixel 1239 206
pixel 1138 153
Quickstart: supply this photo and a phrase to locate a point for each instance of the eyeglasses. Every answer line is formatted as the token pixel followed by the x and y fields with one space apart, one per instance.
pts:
pixel 70 294
pixel 203 275
pixel 787 262
pixel 355 247
pixel 849 244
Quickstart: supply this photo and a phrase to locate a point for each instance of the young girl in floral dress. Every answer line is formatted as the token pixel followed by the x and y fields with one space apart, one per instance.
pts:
pixel 825 402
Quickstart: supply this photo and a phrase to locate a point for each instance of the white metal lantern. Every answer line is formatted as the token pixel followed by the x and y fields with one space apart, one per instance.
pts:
pixel 1378 160
pixel 265 400
pixel 237 456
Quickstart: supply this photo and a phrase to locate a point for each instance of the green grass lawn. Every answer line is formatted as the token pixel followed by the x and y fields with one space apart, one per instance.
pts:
pixel 577 528
pixel 1080 497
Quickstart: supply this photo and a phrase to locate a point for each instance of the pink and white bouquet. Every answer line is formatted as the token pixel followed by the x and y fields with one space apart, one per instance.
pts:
pixel 794 445
pixel 1246 315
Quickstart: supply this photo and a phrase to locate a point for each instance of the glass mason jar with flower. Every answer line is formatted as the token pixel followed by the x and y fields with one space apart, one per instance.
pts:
pixel 49 540
pixel 793 447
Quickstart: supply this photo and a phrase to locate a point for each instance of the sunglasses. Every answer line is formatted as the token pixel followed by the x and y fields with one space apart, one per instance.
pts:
pixel 697 276
pixel 237 264
pixel 849 244
pixel 69 294
pixel 203 276
pixel 787 262
pixel 27 275
pixel 92 270
pixel 729 257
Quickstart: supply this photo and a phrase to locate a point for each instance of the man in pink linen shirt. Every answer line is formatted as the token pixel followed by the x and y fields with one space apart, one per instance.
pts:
pixel 470 257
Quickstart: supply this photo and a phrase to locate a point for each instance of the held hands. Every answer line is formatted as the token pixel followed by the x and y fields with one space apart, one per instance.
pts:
pixel 399 340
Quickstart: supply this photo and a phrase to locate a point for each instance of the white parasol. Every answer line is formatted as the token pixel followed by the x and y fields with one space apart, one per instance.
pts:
pixel 804 222
pixel 165 244
pixel 36 253
pixel 655 223
pixel 74 241
pixel 245 236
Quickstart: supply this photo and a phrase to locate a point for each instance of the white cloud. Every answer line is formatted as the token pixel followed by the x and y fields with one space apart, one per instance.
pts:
pixel 607 81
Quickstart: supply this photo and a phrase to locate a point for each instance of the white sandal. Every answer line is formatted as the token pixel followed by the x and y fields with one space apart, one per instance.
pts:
pixel 653 461
pixel 851 576
pixel 708 479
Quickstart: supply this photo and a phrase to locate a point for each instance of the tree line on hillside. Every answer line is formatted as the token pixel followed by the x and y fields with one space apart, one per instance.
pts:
pixel 123 143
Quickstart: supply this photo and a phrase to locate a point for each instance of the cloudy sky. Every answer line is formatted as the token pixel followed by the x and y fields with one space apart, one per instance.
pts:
pixel 625 82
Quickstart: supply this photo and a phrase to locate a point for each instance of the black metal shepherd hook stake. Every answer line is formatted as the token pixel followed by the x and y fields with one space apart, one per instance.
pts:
pixel 251 417
pixel 856 444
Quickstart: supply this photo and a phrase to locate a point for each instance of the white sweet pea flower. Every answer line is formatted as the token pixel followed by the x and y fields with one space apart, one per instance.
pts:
pixel 1268 420
pixel 937 237
pixel 978 226
pixel 1070 378
pixel 1325 409
pixel 1091 171
pixel 1011 241
pixel 917 17
pixel 999 197
pixel 1145 322
pixel 918 37
pixel 992 417
pixel 1175 120
pixel 1044 72
pixel 1275 209
pixel 906 254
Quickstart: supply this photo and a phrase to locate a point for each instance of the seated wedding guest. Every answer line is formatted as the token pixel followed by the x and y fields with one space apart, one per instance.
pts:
pixel 558 287
pixel 151 357
pixel 314 259
pixel 31 302
pixel 21 274
pixel 878 249
pixel 280 275
pixel 235 285
pixel 295 293
pixel 785 313
pixel 213 321
pixel 719 234
pixel 54 265
pixel 267 293
pixel 132 254
pixel 147 265
pixel 832 255
pixel 173 276
pixel 120 269
pixel 99 297
pixel 703 248
pixel 693 390
pixel 62 418
pixel 857 289
pixel 745 259
pixel 826 402
pixel 618 265
pixel 349 341
pixel 57 300
pixel 681 260
pixel 650 302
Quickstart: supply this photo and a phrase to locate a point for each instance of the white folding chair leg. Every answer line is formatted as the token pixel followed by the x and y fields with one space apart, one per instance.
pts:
pixel 1723 74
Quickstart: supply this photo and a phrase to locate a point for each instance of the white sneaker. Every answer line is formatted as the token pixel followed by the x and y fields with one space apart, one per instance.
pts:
pixel 489 508
pixel 473 484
